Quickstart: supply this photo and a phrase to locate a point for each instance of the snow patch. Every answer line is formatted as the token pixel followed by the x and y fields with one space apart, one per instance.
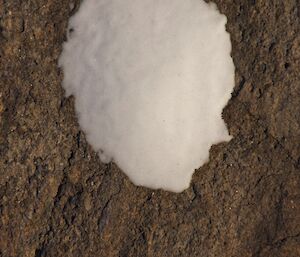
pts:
pixel 150 80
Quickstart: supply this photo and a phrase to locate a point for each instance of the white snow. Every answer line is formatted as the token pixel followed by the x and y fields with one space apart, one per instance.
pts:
pixel 150 80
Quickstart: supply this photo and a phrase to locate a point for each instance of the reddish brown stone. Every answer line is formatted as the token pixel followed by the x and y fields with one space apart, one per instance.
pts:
pixel 57 199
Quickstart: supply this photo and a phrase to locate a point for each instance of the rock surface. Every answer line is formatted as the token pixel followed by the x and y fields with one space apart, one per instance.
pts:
pixel 57 199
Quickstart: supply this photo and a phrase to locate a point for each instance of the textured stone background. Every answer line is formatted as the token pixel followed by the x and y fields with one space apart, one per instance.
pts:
pixel 57 199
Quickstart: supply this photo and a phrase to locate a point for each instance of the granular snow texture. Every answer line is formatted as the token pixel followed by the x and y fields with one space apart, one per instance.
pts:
pixel 150 81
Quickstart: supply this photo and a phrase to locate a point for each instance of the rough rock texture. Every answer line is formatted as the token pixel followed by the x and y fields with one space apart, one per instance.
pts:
pixel 57 199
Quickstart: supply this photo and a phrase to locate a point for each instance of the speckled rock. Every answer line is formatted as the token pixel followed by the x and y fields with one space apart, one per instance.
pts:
pixel 57 199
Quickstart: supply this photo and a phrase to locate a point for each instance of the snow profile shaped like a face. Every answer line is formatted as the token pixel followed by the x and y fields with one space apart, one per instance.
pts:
pixel 150 80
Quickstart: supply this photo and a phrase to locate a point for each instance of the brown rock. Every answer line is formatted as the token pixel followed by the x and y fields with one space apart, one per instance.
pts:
pixel 57 199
